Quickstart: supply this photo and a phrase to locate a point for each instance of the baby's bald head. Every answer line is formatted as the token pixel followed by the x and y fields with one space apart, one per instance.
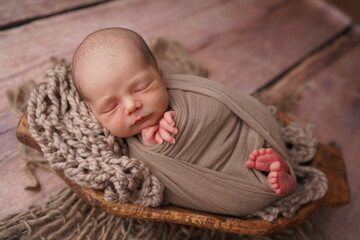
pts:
pixel 116 74
pixel 92 48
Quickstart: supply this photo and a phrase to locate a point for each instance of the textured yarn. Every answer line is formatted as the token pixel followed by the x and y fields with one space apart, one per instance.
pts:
pixel 72 140
pixel 65 216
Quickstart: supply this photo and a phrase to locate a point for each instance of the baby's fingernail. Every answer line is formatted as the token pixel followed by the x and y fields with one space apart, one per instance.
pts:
pixel 175 131
pixel 172 141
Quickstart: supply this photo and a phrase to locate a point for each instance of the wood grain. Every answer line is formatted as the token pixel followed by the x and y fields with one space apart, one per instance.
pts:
pixel 243 50
pixel 325 90
pixel 351 7
pixel 328 159
pixel 244 43
pixel 20 11
pixel 261 40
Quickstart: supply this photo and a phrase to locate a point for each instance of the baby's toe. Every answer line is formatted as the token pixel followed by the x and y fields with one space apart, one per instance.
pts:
pixel 262 151
pixel 255 153
pixel 269 150
pixel 273 174
pixel 273 180
pixel 249 164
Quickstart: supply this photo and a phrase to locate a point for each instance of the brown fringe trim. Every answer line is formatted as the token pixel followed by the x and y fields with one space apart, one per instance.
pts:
pixel 66 216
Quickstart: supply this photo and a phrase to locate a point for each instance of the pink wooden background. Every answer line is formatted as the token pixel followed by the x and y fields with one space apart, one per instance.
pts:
pixel 300 55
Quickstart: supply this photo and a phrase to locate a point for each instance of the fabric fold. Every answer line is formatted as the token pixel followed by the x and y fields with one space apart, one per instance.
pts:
pixel 218 129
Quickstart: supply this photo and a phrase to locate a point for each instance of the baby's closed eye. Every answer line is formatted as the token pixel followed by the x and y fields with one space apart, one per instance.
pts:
pixel 141 87
pixel 109 107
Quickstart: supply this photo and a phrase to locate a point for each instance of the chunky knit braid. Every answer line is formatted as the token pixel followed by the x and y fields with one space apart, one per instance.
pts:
pixel 72 140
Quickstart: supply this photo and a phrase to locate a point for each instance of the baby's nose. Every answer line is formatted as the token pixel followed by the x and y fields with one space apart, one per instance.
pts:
pixel 131 105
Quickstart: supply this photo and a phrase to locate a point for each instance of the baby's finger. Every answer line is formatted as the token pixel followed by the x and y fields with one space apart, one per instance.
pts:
pixel 148 135
pixel 169 117
pixel 158 138
pixel 149 132
pixel 165 125
pixel 166 136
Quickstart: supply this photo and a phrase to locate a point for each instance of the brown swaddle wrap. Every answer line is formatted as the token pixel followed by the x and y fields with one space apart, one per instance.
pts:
pixel 218 129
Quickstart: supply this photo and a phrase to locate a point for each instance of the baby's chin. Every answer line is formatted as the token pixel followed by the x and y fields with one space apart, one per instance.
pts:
pixel 124 134
pixel 130 133
pixel 137 130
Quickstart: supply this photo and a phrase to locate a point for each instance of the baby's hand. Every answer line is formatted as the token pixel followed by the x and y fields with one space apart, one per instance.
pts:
pixel 167 126
pixel 150 135
pixel 161 132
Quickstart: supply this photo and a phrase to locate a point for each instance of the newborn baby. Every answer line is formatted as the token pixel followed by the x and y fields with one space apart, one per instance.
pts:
pixel 116 74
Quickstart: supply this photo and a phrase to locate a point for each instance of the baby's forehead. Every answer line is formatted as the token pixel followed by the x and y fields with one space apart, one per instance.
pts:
pixel 103 62
pixel 101 48
pixel 104 46
pixel 108 39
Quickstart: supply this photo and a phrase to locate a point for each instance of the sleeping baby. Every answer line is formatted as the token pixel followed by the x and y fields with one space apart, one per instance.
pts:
pixel 213 149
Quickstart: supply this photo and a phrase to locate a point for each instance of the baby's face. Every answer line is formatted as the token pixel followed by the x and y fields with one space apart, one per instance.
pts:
pixel 125 93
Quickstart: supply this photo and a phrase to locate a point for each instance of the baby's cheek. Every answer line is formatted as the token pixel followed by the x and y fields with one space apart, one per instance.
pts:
pixel 161 104
pixel 117 126
pixel 110 124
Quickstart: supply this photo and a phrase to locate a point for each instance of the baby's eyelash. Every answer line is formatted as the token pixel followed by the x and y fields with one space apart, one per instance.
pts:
pixel 142 87
pixel 110 109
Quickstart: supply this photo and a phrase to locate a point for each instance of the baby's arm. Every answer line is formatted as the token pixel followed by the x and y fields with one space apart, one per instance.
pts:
pixel 160 132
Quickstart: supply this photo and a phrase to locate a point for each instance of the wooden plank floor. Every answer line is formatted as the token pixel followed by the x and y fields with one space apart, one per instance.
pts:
pixel 351 7
pixel 22 11
pixel 301 55
pixel 325 90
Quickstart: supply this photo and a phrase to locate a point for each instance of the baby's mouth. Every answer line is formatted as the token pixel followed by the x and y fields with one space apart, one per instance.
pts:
pixel 141 119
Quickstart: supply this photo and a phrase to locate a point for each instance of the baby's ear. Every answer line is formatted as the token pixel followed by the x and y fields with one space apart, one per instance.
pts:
pixel 159 69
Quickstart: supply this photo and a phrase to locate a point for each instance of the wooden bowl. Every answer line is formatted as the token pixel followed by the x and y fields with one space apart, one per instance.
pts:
pixel 328 159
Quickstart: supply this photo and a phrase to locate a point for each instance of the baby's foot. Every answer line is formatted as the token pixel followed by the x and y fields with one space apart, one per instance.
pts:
pixel 279 179
pixel 261 159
